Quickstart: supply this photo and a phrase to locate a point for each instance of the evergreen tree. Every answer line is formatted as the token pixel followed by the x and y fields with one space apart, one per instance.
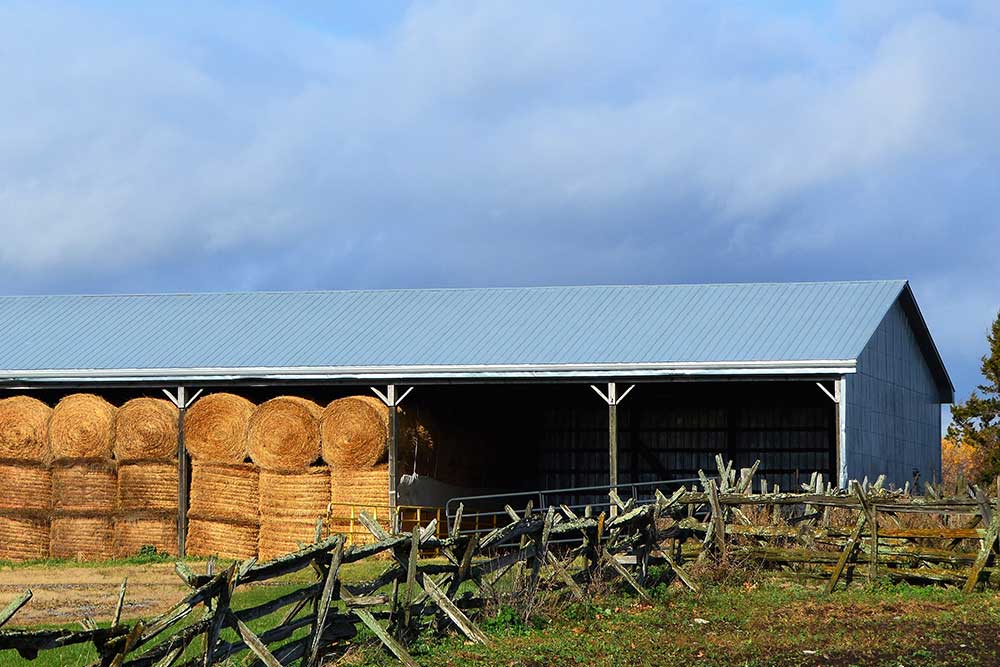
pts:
pixel 976 422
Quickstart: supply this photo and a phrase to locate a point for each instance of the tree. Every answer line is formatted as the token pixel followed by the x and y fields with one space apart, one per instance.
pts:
pixel 959 460
pixel 976 422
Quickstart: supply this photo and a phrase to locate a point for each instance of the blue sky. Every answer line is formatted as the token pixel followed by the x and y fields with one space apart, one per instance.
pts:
pixel 386 144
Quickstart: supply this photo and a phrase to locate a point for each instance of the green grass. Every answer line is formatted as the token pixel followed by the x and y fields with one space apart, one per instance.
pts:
pixel 249 596
pixel 763 623
pixel 770 624
pixel 146 556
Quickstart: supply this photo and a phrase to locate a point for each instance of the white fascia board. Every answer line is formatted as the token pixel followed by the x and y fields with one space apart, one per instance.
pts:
pixel 445 372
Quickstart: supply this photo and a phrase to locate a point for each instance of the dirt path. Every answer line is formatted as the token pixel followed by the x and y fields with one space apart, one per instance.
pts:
pixel 65 595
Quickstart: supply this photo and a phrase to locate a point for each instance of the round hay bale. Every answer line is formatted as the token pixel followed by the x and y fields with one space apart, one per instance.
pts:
pixel 85 486
pixel 147 486
pixel 25 487
pixel 145 428
pixel 83 537
pixel 134 532
pixel 225 492
pixel 281 535
pixel 284 434
pixel 215 428
pixel 81 427
pixel 219 538
pixel 295 495
pixel 367 489
pixel 354 433
pixel 23 538
pixel 24 427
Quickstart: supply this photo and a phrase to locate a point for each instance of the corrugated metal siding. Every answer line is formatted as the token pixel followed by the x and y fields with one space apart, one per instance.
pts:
pixel 558 325
pixel 893 407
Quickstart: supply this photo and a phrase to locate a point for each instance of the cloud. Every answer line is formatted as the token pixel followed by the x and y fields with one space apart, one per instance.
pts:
pixel 499 143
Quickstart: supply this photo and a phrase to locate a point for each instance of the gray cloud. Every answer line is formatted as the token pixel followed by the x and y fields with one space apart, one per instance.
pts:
pixel 501 143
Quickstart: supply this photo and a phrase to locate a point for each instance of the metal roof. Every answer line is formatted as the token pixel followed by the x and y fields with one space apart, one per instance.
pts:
pixel 592 330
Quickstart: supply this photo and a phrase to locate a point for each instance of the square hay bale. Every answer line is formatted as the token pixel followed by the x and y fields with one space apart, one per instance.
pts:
pixel 23 537
pixel 25 486
pixel 225 492
pixel 85 485
pixel 148 486
pixel 134 531
pixel 304 495
pixel 207 537
pixel 85 537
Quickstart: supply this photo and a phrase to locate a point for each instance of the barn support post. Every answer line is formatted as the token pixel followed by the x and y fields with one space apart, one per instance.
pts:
pixel 392 401
pixel 612 399
pixel 840 429
pixel 182 402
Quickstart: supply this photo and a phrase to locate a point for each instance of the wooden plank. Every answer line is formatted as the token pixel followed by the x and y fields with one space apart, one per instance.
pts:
pixel 380 632
pixel 625 574
pixel 121 603
pixel 852 543
pixel 171 657
pixel 984 553
pixel 564 576
pixel 718 520
pixel 322 606
pixel 456 615
pixel 681 573
pixel 871 516
pixel 456 525
pixel 14 606
pixel 130 640
pixel 411 576
pixel 254 642
pixel 219 615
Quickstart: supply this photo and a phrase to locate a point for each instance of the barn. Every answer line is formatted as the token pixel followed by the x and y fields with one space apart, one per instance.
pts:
pixel 519 389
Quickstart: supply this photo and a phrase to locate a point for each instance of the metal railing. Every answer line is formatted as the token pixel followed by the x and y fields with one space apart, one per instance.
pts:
pixel 481 514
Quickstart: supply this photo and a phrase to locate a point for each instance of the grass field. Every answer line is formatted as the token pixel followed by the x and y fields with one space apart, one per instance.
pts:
pixel 749 623
pixel 769 623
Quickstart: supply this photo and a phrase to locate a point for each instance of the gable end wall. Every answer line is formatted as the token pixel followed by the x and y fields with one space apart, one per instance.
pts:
pixel 893 407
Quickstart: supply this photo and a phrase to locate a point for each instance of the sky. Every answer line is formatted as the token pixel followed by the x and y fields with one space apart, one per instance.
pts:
pixel 330 145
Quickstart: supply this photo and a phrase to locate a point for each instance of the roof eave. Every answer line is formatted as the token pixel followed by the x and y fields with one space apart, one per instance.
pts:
pixel 820 367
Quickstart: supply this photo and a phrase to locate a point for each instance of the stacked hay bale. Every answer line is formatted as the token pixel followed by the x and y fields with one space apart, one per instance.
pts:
pixel 25 479
pixel 84 478
pixel 284 440
pixel 223 515
pixel 355 433
pixel 145 447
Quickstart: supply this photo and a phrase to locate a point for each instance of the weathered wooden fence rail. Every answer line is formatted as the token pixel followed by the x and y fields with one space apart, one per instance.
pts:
pixel 820 532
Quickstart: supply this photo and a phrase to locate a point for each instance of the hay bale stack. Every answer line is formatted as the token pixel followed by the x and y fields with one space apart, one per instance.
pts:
pixel 25 487
pixel 360 487
pixel 80 427
pixel 284 434
pixel 225 540
pixel 223 517
pixel 83 537
pixel 215 428
pixel 23 537
pixel 25 479
pixel 356 491
pixel 147 487
pixel 280 536
pixel 354 433
pixel 145 429
pixel 24 425
pixel 224 492
pixel 290 505
pixel 85 485
pixel 134 531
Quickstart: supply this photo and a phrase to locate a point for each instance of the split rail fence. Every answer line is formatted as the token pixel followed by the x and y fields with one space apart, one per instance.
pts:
pixel 818 532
